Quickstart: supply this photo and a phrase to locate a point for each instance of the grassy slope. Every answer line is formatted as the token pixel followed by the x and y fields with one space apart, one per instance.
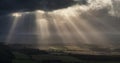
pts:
pixel 22 58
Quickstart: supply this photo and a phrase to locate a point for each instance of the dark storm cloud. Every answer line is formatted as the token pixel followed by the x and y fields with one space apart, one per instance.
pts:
pixel 7 6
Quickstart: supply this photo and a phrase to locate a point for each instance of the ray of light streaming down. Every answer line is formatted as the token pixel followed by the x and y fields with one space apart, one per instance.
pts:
pixel 81 29
pixel 16 17
pixel 42 29
pixel 75 25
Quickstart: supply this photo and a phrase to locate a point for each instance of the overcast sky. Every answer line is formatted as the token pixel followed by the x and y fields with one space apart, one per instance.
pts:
pixel 101 16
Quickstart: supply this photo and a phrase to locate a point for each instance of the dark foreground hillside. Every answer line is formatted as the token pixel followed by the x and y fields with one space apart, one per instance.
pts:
pixel 30 55
pixel 42 56
pixel 61 57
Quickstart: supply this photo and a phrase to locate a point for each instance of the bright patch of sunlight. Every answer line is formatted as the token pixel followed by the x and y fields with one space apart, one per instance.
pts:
pixel 17 14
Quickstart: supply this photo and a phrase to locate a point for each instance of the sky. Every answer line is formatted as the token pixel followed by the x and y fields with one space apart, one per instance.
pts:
pixel 94 22
pixel 31 5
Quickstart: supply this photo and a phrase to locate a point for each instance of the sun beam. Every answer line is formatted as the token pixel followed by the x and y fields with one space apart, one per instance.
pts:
pixel 16 17
pixel 74 25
